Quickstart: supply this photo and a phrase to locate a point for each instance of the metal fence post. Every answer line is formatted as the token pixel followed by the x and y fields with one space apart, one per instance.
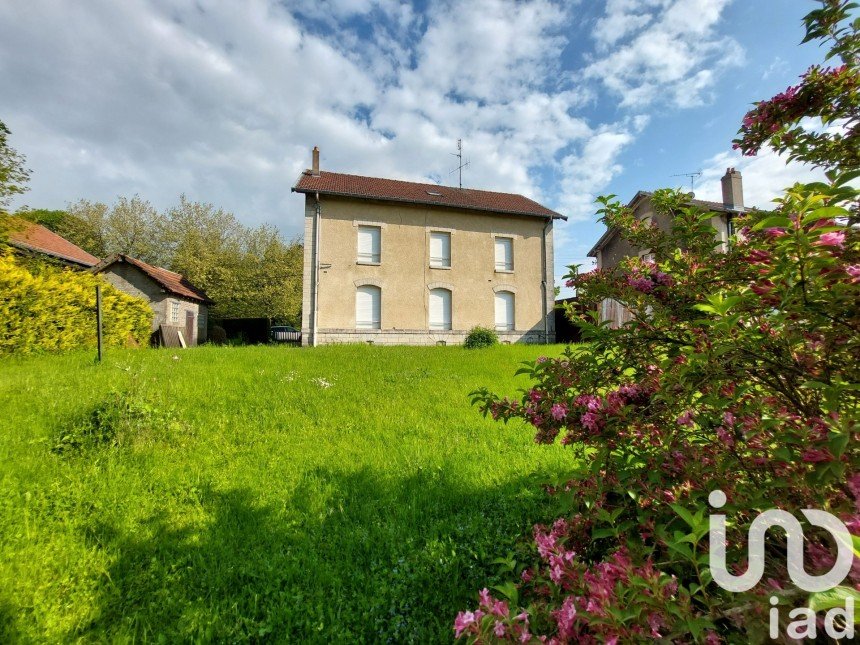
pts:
pixel 99 320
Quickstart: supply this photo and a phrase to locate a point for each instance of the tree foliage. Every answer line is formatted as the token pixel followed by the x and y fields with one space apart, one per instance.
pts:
pixel 738 372
pixel 248 271
pixel 13 177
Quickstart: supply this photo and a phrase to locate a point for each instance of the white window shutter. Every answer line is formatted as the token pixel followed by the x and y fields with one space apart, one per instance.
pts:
pixel 504 254
pixel 504 311
pixel 440 249
pixel 369 243
pixel 368 307
pixel 440 309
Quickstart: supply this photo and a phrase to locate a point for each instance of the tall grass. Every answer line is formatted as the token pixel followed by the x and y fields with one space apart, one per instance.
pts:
pixel 230 494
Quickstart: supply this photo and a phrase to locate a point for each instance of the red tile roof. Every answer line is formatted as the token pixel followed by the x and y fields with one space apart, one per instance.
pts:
pixel 339 184
pixel 173 282
pixel 35 237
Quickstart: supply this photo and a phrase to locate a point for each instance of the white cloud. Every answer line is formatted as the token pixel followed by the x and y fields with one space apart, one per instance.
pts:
pixel 778 67
pixel 223 100
pixel 675 55
pixel 765 176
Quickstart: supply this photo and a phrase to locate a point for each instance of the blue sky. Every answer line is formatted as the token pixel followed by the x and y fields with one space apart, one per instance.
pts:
pixel 222 100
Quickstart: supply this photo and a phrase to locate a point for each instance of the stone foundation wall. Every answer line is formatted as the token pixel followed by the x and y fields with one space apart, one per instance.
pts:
pixel 418 337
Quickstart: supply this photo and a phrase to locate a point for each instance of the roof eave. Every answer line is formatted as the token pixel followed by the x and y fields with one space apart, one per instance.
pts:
pixel 59 256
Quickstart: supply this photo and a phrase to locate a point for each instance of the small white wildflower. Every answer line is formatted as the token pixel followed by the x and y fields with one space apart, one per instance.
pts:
pixel 321 382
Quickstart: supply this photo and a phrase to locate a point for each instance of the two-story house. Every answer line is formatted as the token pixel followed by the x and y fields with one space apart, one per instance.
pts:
pixel 404 263
pixel 611 248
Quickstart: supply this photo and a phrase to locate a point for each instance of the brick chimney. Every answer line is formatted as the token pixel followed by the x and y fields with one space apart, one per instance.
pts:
pixel 315 166
pixel 733 189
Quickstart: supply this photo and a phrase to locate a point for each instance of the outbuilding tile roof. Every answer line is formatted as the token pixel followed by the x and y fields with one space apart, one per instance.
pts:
pixel 35 237
pixel 173 282
pixel 339 184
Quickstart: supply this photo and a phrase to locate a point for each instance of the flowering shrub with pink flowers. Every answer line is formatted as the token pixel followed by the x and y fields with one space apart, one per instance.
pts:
pixel 739 371
pixel 829 93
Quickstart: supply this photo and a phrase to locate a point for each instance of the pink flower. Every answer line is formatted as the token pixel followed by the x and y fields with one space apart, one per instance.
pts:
pixel 485 598
pixel 816 455
pixel 725 436
pixel 712 639
pixel 853 483
pixel 464 620
pixel 559 411
pixel 501 609
pixel 640 284
pixel 589 420
pixel 758 256
pixel 564 617
pixel 686 418
pixel 853 270
pixel 656 623
pixel 834 238
pixel 775 232
pixel 499 630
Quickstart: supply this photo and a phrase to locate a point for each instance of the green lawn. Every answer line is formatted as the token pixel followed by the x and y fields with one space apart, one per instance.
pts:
pixel 338 494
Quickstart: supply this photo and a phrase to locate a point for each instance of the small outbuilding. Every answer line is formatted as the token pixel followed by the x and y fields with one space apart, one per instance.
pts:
pixel 181 309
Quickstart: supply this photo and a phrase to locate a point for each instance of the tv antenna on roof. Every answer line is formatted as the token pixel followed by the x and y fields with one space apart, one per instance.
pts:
pixel 692 175
pixel 459 155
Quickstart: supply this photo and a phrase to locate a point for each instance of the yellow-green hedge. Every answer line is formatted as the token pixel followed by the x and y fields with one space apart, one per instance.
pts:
pixel 54 310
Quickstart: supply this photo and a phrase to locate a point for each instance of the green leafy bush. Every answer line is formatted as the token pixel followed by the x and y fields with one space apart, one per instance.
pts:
pixel 481 337
pixel 217 335
pixel 54 309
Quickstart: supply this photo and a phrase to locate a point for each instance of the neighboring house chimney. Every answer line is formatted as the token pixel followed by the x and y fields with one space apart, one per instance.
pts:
pixel 733 189
pixel 315 168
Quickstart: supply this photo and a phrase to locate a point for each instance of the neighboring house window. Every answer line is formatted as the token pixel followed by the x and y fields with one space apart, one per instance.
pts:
pixel 440 309
pixel 440 250
pixel 201 320
pixel 174 311
pixel 368 307
pixel 369 244
pixel 504 311
pixel 504 254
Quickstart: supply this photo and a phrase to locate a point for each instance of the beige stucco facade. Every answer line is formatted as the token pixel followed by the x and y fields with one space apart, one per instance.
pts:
pixel 405 277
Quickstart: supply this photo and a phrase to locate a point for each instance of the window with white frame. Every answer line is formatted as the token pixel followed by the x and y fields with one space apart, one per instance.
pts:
pixel 369 244
pixel 174 311
pixel 440 309
pixel 440 250
pixel 504 311
pixel 368 307
pixel 504 254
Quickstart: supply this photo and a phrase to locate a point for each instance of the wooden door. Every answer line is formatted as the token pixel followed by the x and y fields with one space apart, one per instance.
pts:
pixel 190 328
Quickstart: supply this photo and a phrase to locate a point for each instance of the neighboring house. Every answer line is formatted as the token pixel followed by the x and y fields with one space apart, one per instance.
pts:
pixel 397 262
pixel 31 239
pixel 177 304
pixel 611 248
